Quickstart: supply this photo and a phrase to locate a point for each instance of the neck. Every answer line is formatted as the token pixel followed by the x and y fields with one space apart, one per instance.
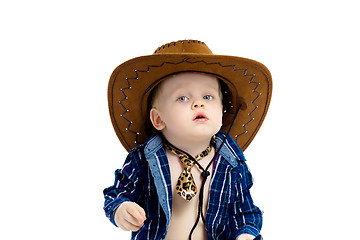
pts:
pixel 191 147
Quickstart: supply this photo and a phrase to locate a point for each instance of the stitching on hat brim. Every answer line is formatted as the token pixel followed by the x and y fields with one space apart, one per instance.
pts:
pixel 147 69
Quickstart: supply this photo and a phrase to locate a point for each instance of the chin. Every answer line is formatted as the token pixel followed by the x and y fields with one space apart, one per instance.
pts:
pixel 203 133
pixel 199 133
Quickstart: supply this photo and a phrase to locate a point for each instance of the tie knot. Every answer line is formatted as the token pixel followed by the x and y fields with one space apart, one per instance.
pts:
pixel 187 162
pixel 184 155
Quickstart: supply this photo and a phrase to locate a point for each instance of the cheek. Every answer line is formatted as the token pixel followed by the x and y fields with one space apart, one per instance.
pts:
pixel 174 114
pixel 220 118
pixel 218 111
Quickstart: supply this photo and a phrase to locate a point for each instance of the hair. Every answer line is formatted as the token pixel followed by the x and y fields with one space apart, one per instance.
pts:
pixel 154 94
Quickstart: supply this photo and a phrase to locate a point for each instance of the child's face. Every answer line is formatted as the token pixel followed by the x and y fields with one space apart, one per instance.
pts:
pixel 188 106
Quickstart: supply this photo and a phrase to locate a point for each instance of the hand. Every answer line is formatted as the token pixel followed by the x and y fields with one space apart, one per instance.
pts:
pixel 129 216
pixel 245 237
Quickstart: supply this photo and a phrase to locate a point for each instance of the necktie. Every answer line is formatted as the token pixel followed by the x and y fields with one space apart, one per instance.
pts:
pixel 185 186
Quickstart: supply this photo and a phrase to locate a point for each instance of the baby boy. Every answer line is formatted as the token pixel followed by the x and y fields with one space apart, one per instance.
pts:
pixel 189 180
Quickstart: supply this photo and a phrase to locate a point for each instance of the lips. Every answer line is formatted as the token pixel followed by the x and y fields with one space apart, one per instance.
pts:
pixel 200 117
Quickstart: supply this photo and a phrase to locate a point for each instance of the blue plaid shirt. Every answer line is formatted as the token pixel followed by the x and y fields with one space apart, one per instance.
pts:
pixel 145 179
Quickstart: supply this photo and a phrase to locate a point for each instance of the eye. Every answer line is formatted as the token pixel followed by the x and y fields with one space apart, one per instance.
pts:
pixel 183 99
pixel 208 97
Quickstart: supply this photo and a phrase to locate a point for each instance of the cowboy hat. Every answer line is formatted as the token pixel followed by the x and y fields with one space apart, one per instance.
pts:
pixel 246 84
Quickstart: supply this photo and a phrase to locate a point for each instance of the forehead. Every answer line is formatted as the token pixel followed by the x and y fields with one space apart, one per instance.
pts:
pixel 190 81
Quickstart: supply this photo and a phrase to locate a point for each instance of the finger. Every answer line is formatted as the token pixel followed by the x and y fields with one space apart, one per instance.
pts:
pixel 126 221
pixel 142 212
pixel 127 226
pixel 129 217
pixel 138 213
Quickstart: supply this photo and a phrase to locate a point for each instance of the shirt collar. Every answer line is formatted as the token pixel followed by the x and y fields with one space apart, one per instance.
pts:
pixel 230 150
pixel 154 144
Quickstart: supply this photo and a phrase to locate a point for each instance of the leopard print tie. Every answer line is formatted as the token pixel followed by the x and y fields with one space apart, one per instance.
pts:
pixel 185 186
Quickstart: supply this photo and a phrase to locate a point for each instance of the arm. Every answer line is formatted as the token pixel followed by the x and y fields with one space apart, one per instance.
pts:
pixel 246 217
pixel 126 188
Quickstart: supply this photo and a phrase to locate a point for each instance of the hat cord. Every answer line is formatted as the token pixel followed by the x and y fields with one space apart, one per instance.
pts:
pixel 205 174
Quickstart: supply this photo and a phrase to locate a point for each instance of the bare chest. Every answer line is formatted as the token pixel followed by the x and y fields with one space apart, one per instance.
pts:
pixel 184 212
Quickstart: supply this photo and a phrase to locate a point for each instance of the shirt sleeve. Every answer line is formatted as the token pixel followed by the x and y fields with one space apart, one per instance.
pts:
pixel 246 217
pixel 127 186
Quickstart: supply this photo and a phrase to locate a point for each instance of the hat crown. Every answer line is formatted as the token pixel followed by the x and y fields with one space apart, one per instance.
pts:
pixel 184 47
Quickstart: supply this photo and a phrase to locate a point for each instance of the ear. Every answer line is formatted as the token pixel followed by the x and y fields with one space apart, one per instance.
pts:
pixel 156 120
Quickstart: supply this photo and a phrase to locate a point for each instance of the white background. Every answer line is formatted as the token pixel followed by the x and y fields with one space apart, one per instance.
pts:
pixel 58 147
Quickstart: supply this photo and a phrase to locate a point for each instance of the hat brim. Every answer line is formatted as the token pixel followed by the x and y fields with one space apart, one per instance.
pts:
pixel 131 83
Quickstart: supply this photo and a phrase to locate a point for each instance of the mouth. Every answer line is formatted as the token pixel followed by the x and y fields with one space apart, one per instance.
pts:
pixel 200 118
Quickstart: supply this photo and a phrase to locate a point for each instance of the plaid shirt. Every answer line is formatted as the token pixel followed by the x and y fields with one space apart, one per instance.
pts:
pixel 145 179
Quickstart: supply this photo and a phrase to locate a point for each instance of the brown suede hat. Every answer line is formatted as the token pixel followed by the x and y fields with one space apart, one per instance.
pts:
pixel 245 83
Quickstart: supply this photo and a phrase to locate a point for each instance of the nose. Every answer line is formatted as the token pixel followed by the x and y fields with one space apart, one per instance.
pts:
pixel 197 104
